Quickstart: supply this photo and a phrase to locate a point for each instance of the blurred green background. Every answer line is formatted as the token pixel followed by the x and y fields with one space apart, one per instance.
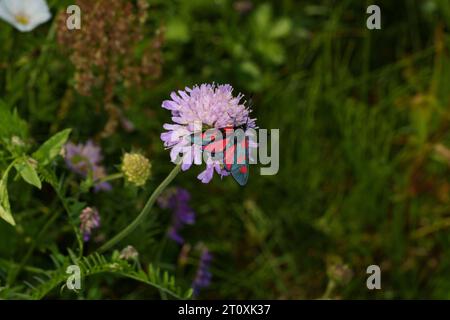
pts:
pixel 364 151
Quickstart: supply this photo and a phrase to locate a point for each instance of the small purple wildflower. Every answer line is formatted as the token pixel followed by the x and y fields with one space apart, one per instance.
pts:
pixel 207 105
pixel 177 199
pixel 203 276
pixel 89 220
pixel 85 159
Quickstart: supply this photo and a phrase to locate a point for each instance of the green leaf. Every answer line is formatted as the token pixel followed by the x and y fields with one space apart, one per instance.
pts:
pixel 7 216
pixel 251 68
pixel 280 29
pixel 5 209
pixel 98 264
pixel 26 169
pixel 177 31
pixel 52 147
pixel 11 124
pixel 272 51
pixel 262 18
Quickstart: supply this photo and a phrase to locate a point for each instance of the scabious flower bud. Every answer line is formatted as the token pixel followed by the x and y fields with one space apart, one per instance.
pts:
pixel 136 168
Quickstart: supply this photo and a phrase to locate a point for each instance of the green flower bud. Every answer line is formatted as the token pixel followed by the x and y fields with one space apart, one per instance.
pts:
pixel 136 168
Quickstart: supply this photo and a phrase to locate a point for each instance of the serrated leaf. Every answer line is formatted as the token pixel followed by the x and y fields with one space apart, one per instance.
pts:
pixel 28 172
pixel 52 147
pixel 5 209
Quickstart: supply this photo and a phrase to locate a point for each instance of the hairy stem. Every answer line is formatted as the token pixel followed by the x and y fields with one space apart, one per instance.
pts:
pixel 145 211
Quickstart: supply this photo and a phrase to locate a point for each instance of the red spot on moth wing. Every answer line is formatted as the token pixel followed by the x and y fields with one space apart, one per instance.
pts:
pixel 243 169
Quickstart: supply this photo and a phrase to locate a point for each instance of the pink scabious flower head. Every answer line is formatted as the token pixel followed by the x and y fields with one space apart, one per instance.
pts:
pixel 89 220
pixel 85 159
pixel 202 107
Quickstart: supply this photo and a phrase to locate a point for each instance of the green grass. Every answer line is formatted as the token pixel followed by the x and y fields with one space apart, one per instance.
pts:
pixel 360 113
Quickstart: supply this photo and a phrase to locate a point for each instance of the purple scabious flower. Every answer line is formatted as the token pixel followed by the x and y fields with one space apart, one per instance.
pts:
pixel 85 159
pixel 203 276
pixel 177 200
pixel 197 108
pixel 89 220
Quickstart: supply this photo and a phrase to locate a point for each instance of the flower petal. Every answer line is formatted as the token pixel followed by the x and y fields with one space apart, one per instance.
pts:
pixel 169 105
pixel 206 176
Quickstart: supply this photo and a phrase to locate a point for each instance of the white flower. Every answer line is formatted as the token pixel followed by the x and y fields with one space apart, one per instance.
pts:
pixel 24 15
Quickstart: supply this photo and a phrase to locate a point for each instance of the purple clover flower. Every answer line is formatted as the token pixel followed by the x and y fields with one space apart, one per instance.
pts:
pixel 84 159
pixel 177 200
pixel 207 105
pixel 203 276
pixel 89 220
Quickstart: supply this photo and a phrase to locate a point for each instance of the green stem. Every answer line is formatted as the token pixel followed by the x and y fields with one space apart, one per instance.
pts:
pixel 67 209
pixel 329 290
pixel 141 217
pixel 111 177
